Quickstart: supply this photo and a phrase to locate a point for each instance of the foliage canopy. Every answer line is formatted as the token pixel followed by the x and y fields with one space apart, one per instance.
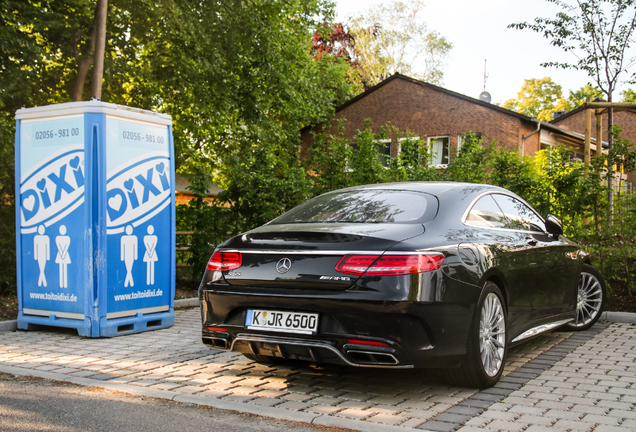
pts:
pixel 237 76
pixel 393 38
pixel 599 34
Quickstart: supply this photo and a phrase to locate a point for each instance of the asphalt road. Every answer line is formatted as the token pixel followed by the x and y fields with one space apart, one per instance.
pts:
pixel 34 404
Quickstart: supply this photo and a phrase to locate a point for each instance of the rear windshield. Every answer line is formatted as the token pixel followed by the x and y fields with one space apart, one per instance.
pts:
pixel 361 206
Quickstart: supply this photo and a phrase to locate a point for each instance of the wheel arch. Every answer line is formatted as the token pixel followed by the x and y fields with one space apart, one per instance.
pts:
pixel 498 280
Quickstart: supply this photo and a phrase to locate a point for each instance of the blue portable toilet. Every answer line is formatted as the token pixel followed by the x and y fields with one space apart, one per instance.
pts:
pixel 95 218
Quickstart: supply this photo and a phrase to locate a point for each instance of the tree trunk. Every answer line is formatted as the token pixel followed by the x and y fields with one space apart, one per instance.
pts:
pixel 83 66
pixel 610 164
pixel 100 44
pixel 84 62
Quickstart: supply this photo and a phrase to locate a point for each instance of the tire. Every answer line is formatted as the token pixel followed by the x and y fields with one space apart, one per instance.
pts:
pixel 265 359
pixel 487 344
pixel 591 296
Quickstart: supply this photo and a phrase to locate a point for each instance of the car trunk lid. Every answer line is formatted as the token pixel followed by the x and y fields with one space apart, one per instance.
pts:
pixel 304 256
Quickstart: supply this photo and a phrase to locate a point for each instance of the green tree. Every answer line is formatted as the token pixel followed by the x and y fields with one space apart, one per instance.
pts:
pixel 600 41
pixel 327 162
pixel 393 38
pixel 628 95
pixel 470 165
pixel 599 34
pixel 237 76
pixel 580 96
pixel 508 169
pixel 414 159
pixel 539 98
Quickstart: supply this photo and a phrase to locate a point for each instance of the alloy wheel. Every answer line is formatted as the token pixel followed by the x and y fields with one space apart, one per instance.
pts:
pixel 492 335
pixel 589 299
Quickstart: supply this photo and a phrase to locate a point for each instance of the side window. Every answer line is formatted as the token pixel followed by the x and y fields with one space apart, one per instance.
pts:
pixel 409 150
pixel 519 215
pixel 384 152
pixel 486 213
pixel 461 139
pixel 439 148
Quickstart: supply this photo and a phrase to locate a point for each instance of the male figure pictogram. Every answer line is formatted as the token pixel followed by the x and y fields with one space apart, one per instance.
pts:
pixel 41 253
pixel 129 254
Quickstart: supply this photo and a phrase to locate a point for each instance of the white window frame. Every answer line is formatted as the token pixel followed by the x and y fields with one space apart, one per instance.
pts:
pixel 460 140
pixel 386 158
pixel 430 149
pixel 415 138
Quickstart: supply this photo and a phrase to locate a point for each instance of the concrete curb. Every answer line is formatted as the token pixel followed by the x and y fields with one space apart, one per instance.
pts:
pixel 191 302
pixel 8 326
pixel 619 317
pixel 272 412
pixel 12 325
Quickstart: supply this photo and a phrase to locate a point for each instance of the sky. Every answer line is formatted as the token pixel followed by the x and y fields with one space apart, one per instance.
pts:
pixel 478 31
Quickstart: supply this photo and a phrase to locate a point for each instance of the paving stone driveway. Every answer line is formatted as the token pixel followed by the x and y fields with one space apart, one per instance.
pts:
pixel 586 382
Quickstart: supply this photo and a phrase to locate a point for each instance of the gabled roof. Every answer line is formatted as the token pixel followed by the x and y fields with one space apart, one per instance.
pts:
pixel 582 107
pixel 436 88
pixel 574 111
pixel 541 124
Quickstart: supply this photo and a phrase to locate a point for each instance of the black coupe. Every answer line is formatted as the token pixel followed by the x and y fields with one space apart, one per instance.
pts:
pixel 399 275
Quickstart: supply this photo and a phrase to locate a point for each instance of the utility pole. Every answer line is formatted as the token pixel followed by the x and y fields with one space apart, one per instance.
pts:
pixel 100 44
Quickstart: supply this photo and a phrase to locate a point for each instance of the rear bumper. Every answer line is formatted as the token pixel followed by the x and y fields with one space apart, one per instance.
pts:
pixel 417 334
pixel 315 350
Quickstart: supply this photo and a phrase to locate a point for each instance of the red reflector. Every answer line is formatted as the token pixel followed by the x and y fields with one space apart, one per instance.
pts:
pixel 389 264
pixel 363 342
pixel 225 261
pixel 216 329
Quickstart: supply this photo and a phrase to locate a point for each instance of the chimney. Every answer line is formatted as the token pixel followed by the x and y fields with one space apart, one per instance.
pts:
pixel 557 114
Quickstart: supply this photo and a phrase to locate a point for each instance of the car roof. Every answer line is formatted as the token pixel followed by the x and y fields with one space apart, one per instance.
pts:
pixel 433 188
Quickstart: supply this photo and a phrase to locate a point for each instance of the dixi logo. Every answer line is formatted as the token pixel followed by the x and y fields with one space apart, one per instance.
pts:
pixel 136 192
pixel 52 189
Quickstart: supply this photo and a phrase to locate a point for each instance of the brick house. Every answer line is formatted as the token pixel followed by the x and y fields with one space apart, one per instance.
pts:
pixel 625 118
pixel 442 117
pixel 575 121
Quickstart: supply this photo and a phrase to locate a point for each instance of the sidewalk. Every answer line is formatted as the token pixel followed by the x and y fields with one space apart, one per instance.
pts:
pixel 560 381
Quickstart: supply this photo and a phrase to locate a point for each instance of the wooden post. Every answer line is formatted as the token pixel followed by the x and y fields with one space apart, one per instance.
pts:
pixel 599 132
pixel 588 135
pixel 100 44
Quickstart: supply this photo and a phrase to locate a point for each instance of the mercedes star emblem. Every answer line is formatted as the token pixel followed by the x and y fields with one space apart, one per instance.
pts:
pixel 283 265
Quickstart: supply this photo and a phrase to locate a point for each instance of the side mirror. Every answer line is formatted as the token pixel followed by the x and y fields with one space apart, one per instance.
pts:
pixel 553 226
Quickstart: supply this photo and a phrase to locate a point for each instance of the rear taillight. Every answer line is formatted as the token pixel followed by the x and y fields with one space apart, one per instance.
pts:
pixel 383 265
pixel 225 261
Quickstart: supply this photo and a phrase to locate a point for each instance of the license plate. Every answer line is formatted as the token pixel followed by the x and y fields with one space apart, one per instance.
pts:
pixel 289 322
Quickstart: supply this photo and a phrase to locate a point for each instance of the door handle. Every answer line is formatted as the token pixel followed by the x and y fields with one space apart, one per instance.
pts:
pixel 531 241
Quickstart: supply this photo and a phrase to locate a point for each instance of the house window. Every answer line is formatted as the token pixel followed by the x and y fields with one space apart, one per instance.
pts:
pixel 384 151
pixel 462 137
pixel 439 147
pixel 409 150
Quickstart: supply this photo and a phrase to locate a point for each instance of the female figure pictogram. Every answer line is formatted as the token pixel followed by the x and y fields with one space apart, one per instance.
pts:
pixel 150 241
pixel 63 258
